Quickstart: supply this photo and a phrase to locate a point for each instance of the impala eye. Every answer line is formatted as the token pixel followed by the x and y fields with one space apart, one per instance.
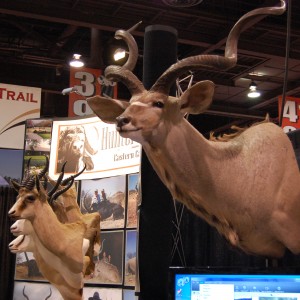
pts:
pixel 30 198
pixel 158 104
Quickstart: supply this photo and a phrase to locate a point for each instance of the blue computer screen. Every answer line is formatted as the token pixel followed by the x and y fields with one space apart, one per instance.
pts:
pixel 237 287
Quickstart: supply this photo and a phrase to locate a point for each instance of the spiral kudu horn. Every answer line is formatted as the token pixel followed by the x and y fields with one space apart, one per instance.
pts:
pixel 124 73
pixel 164 83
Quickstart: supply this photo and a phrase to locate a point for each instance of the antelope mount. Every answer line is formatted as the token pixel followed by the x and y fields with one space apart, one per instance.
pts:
pixel 248 188
pixel 52 227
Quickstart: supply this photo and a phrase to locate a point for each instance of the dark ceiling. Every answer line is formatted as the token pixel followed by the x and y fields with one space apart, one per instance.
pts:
pixel 38 37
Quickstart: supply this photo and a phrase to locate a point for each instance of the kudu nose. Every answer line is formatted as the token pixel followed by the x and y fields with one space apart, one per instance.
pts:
pixel 122 120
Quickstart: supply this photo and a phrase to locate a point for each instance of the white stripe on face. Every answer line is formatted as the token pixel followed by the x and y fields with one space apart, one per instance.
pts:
pixel 138 103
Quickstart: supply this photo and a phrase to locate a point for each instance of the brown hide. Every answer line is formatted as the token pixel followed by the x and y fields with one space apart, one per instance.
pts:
pixel 67 292
pixel 248 188
pixel 53 241
pixel 67 211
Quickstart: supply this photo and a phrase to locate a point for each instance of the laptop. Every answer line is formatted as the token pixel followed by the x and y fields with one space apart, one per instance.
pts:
pixel 231 284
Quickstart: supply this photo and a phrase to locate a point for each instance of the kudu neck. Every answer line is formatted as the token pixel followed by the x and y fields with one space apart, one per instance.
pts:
pixel 176 150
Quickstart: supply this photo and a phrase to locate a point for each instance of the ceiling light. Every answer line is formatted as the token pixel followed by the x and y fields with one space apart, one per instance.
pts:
pixel 254 73
pixel 253 93
pixel 119 54
pixel 76 61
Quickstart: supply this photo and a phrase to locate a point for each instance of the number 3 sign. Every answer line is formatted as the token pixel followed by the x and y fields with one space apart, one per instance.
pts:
pixel 291 113
pixel 88 82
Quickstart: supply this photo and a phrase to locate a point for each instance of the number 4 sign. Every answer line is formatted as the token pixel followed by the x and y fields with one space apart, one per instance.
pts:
pixel 291 113
pixel 88 82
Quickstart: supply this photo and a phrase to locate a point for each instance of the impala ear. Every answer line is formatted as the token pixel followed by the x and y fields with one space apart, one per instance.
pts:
pixel 107 109
pixel 197 98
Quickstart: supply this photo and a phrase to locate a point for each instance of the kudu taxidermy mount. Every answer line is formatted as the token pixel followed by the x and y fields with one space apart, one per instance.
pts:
pixel 248 188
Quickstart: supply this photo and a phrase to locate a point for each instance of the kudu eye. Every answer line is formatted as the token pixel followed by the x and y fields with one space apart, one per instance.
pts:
pixel 158 104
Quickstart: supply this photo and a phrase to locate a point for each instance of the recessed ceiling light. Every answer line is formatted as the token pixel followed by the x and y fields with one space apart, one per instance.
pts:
pixel 256 74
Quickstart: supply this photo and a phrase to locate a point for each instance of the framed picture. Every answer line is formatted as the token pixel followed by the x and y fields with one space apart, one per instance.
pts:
pixel 130 258
pixel 27 268
pixel 133 195
pixel 37 162
pixel 109 262
pixel 94 144
pixel 107 196
pixel 129 295
pixel 11 162
pixel 38 136
pixel 35 291
pixel 96 293
pixel 37 143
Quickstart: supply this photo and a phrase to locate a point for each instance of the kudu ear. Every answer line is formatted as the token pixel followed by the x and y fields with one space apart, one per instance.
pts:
pixel 197 98
pixel 107 109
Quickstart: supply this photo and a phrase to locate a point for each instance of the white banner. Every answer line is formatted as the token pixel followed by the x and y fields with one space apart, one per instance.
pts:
pixel 17 103
pixel 92 143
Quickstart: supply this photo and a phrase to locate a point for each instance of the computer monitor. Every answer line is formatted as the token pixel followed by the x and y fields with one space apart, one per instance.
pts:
pixel 217 284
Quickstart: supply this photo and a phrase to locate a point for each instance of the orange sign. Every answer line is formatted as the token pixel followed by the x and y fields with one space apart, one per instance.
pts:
pixel 291 113
pixel 88 82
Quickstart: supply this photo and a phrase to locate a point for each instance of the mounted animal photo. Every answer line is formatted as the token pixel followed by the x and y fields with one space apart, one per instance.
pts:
pixel 130 258
pixel 132 200
pixel 107 196
pixel 27 268
pixel 96 293
pixel 109 261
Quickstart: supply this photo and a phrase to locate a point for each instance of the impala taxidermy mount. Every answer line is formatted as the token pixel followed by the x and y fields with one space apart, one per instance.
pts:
pixel 248 188
pixel 60 249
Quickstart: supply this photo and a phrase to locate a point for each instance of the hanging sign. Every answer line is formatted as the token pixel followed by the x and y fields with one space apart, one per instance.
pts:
pixel 291 113
pixel 88 142
pixel 17 104
pixel 88 82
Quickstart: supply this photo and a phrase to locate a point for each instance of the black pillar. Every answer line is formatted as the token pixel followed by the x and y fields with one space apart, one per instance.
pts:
pixel 7 259
pixel 156 208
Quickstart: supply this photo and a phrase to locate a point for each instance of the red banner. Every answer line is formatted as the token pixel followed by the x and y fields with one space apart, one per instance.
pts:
pixel 88 82
pixel 291 113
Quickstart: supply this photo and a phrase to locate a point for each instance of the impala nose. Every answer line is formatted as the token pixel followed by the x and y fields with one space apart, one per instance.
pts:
pixel 122 120
pixel 11 213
